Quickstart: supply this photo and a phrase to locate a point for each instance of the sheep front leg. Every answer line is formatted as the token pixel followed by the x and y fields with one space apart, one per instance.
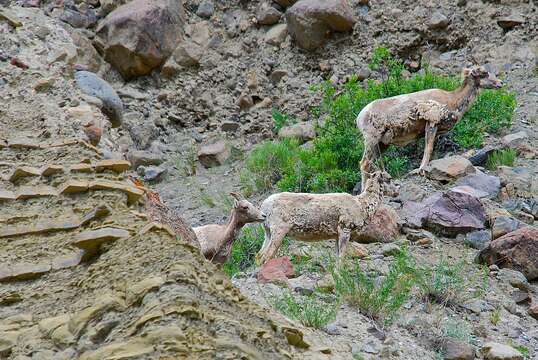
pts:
pixel 369 155
pixel 344 233
pixel 273 239
pixel 431 132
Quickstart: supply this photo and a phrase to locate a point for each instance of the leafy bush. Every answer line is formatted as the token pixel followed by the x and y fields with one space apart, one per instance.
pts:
pixel 280 120
pixel 244 250
pixel 332 164
pixel 501 157
pixel 377 297
pixel 310 310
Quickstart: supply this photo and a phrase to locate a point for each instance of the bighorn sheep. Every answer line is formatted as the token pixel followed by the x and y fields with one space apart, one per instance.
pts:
pixel 401 119
pixel 318 217
pixel 216 240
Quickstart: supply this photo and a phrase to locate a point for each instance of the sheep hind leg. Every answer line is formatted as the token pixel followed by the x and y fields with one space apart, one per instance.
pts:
pixel 341 243
pixel 431 131
pixel 370 154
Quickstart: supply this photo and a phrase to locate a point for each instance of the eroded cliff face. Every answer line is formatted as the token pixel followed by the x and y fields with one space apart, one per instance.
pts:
pixel 85 271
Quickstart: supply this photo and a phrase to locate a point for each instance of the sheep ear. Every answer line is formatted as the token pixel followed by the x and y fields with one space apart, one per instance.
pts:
pixel 236 196
pixel 466 72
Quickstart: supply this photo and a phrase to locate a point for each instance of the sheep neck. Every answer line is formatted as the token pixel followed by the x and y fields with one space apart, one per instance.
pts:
pixel 372 197
pixel 465 96
pixel 231 230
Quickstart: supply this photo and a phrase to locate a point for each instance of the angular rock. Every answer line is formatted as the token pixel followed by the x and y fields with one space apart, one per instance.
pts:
pixel 457 350
pixel 449 168
pixel 520 296
pixel 276 35
pixel 91 240
pixel 117 166
pixel 383 227
pixel 74 186
pixel 144 158
pixel 514 140
pixel 140 35
pixel 438 21
pixel 519 179
pixel 496 351
pixel 516 250
pixel 448 213
pixel 303 131
pixel 267 15
pixel 479 194
pixel 277 269
pixel 206 9
pixel 514 278
pixel 7 195
pixel 49 170
pixel 188 54
pixel 533 311
pixel 356 250
pixel 133 193
pixel 482 182
pixel 503 225
pixel 93 85
pixel 509 22
pixel 309 20
pixel 23 171
pixel 481 156
pixel 478 239
pixel 28 192
pixel 285 3
pixel 22 271
pixel 214 154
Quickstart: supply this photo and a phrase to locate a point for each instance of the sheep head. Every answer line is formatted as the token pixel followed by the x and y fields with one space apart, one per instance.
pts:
pixel 388 188
pixel 245 211
pixel 482 78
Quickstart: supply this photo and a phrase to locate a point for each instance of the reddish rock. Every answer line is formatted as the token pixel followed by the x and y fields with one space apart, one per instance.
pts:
pixel 310 20
pixel 18 63
pixel 93 133
pixel 140 35
pixel 382 227
pixel 278 269
pixel 516 250
pixel 449 213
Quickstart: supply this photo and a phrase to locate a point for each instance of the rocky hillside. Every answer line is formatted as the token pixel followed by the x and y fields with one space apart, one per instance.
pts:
pixel 178 93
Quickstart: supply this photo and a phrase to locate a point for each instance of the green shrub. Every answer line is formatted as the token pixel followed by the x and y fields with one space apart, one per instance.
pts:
pixel 311 310
pixel 280 120
pixel 332 164
pixel 501 157
pixel 492 111
pixel 378 297
pixel 456 329
pixel 244 250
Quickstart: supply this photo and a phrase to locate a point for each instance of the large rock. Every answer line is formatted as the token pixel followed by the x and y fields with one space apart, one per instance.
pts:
pixel 276 35
pixel 516 250
pixel 309 20
pixel 214 154
pixel 267 15
pixel 93 85
pixel 519 181
pixel 277 269
pixel 483 182
pixel 382 227
pixel 457 350
pixel 140 35
pixel 449 213
pixel 496 351
pixel 449 168
pixel 303 132
pixel 503 224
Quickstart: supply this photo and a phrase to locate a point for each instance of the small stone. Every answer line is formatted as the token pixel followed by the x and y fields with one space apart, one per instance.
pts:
pixel 514 278
pixel 371 347
pixel 515 140
pixel 49 170
pixel 478 239
pixel 277 75
pixel 23 171
pixel 153 173
pixel 267 15
pixel 245 102
pixel 206 9
pixel 390 249
pixel 356 250
pixel 449 168
pixel 332 329
pixel 276 35
pixel 144 158
pixel 509 22
pixel 503 225
pixel 326 283
pixel 520 296
pixel 214 154
pixel 496 351
pixel 363 74
pixel 533 311
pixel 117 166
pixel 230 126
pixel 325 66
pixel 90 240
pixel 438 21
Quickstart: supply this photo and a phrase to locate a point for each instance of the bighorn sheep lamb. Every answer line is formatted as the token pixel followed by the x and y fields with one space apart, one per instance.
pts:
pixel 318 217
pixel 401 119
pixel 216 240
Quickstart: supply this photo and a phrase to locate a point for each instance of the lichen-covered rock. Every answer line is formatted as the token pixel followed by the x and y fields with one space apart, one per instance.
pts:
pixel 309 20
pixel 140 35
pixel 516 250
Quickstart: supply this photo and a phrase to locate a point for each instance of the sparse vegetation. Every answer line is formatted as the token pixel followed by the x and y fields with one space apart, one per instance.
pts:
pixel 378 297
pixel 457 329
pixel 495 316
pixel 331 165
pixel 311 310
pixel 522 349
pixel 244 250
pixel 443 282
pixel 498 158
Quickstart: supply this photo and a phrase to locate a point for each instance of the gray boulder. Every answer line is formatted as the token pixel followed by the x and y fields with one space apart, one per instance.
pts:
pixel 309 21
pixel 93 85
pixel 490 185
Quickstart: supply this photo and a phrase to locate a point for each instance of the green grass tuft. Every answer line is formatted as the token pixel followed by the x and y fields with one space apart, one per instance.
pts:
pixel 311 310
pixel 244 250
pixel 281 120
pixel 501 158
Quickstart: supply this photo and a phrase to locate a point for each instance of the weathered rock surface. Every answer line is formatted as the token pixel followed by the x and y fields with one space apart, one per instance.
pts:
pixel 140 35
pixel 480 181
pixel 309 20
pixel 214 154
pixel 449 168
pixel 277 269
pixel 448 213
pixel 382 227
pixel 496 351
pixel 267 15
pixel 503 225
pixel 276 35
pixel 458 350
pixel 515 250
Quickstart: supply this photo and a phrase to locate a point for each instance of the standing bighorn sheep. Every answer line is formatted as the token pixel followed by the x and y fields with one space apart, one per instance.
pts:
pixel 401 119
pixel 318 217
pixel 216 240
